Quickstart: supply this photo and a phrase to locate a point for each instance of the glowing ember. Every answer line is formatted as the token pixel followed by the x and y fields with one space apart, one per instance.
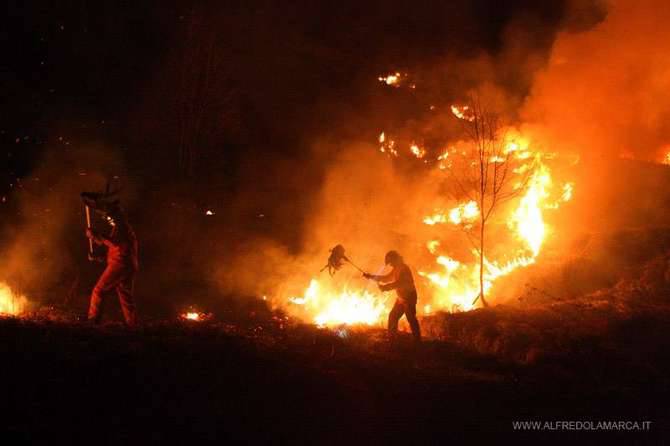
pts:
pixel 387 145
pixel 195 316
pixel 209 212
pixel 417 151
pixel 11 303
pixel 392 79
pixel 462 112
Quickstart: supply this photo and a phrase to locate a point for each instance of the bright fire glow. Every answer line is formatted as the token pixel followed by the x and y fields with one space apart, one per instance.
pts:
pixel 448 283
pixel 392 79
pixel 527 220
pixel 462 112
pixel 11 303
pixel 387 145
pixel 457 285
pixel 195 316
pixel 346 307
pixel 417 151
pixel 461 214
pixel 464 213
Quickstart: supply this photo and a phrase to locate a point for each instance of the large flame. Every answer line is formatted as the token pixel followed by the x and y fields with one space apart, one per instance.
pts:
pixel 345 307
pixel 11 303
pixel 527 220
pixel 455 284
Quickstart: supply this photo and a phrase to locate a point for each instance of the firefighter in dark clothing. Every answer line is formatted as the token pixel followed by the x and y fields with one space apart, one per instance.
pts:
pixel 122 265
pixel 399 279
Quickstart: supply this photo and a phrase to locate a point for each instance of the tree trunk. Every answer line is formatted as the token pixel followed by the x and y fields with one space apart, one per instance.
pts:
pixel 481 265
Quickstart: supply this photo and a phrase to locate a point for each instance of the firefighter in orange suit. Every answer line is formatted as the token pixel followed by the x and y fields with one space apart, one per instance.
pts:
pixel 399 279
pixel 122 265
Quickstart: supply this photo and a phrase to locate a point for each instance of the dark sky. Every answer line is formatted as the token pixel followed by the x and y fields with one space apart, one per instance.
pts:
pixel 111 70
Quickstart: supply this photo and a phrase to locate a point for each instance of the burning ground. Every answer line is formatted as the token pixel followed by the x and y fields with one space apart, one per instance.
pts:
pixel 266 378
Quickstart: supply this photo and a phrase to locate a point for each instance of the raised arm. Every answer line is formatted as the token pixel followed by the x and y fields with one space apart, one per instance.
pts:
pixel 100 239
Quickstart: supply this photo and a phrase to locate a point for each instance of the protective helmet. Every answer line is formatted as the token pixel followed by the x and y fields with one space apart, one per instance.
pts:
pixel 392 258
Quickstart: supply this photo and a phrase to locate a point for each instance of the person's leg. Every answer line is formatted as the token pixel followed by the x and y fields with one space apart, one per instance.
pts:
pixel 107 282
pixel 410 314
pixel 394 316
pixel 125 292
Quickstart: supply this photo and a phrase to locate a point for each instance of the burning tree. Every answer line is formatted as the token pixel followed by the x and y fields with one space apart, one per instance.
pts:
pixel 482 174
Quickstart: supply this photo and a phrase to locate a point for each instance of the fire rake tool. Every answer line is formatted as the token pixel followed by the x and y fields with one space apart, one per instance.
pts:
pixel 99 202
pixel 88 226
pixel 336 259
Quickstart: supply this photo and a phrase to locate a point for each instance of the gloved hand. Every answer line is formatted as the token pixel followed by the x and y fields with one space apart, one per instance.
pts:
pixel 98 259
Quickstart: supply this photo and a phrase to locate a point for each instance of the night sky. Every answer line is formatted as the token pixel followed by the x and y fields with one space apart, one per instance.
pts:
pixel 113 71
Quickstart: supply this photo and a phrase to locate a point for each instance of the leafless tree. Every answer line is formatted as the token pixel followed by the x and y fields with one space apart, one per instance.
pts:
pixel 484 173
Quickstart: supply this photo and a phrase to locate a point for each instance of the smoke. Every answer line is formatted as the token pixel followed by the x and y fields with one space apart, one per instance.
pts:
pixel 604 90
pixel 595 89
pixel 44 240
pixel 365 202
pixel 371 203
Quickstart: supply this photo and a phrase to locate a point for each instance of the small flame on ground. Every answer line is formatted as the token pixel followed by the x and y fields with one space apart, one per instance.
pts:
pixel 11 303
pixel 195 316
pixel 392 79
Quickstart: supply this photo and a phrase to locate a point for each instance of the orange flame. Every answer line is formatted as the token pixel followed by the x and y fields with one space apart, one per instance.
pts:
pixel 454 284
pixel 11 303
pixel 346 307
pixel 462 112
pixel 392 79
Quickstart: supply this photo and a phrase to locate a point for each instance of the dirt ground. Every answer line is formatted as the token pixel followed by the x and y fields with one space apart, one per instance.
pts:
pixel 275 381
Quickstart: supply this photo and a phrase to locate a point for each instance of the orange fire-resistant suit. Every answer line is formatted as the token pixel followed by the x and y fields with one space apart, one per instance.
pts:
pixel 119 275
pixel 400 279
